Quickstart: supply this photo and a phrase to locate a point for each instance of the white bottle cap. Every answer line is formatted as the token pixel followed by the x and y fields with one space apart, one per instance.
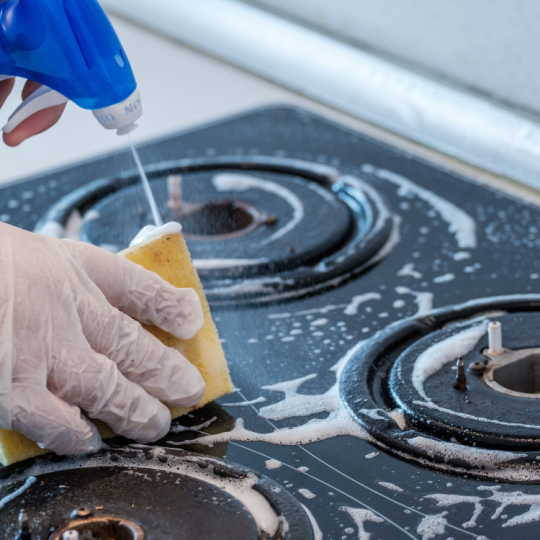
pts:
pixel 121 116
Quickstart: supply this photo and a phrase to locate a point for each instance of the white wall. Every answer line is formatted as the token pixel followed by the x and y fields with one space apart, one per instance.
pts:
pixel 492 46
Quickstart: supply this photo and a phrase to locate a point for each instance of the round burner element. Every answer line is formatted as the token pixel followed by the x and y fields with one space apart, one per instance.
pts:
pixel 138 492
pixel 259 228
pixel 220 220
pixel 446 391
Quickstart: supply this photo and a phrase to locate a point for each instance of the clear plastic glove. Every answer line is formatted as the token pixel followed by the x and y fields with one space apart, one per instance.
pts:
pixel 68 343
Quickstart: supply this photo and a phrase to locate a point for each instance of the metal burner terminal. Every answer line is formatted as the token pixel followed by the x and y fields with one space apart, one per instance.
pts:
pixel 100 528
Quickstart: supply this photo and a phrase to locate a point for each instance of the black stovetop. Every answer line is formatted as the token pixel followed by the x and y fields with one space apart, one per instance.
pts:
pixel 276 341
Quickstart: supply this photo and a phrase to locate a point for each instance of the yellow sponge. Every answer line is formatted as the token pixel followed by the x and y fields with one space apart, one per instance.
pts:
pixel 168 257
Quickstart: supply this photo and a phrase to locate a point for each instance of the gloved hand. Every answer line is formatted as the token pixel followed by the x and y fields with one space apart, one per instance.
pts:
pixel 68 343
pixel 37 123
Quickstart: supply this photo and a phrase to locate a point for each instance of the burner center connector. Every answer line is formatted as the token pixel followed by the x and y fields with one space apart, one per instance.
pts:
pixel 100 528
pixel 515 373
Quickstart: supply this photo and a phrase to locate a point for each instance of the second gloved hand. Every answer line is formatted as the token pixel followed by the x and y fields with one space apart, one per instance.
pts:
pixel 68 343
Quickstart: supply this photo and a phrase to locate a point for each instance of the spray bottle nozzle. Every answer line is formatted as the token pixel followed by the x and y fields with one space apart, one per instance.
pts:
pixel 121 116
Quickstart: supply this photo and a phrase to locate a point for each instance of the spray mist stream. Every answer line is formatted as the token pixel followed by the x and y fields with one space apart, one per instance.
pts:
pixel 149 195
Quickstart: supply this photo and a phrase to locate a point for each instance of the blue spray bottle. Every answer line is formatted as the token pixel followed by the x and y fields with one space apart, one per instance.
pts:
pixel 71 48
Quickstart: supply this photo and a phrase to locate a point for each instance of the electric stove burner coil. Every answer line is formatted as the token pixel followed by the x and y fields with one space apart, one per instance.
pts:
pixel 253 225
pixel 406 374
pixel 138 492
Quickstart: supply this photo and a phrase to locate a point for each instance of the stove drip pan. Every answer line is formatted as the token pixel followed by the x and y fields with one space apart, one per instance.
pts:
pixel 140 492
pixel 253 225
pixel 401 386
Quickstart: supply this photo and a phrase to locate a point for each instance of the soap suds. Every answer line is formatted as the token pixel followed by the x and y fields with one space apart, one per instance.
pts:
pixel 209 264
pixel 273 464
pixel 391 487
pixel 8 498
pixel 242 182
pixel 446 500
pixel 445 278
pixel 459 222
pixel 352 308
pixel 360 516
pixel 179 428
pixel 348 309
pixel 424 300
pixel 306 493
pixel 151 231
pixel 502 498
pixel 372 455
pixel 432 526
pixel 338 422
pixel 245 403
pixel 408 270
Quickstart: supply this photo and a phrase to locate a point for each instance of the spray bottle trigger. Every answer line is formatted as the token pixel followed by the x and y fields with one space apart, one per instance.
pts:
pixel 43 98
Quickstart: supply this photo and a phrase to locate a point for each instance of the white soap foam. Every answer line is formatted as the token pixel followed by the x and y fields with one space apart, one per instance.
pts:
pixel 372 455
pixel 251 286
pixel 348 309
pixel 306 493
pixel 502 498
pixel 424 300
pixel 273 464
pixel 152 231
pixel 445 278
pixel 319 322
pixel 8 498
pixel 179 428
pixel 408 270
pixel 460 223
pixel 356 301
pixel 360 516
pixel 243 182
pixel 432 526
pixel 391 487
pixel 461 256
pixel 339 422
pixel 445 500
pixel 209 264
pixel 245 403
pixel 303 469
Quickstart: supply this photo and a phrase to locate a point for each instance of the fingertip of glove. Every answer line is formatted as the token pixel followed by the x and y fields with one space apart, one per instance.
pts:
pixel 192 391
pixel 156 428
